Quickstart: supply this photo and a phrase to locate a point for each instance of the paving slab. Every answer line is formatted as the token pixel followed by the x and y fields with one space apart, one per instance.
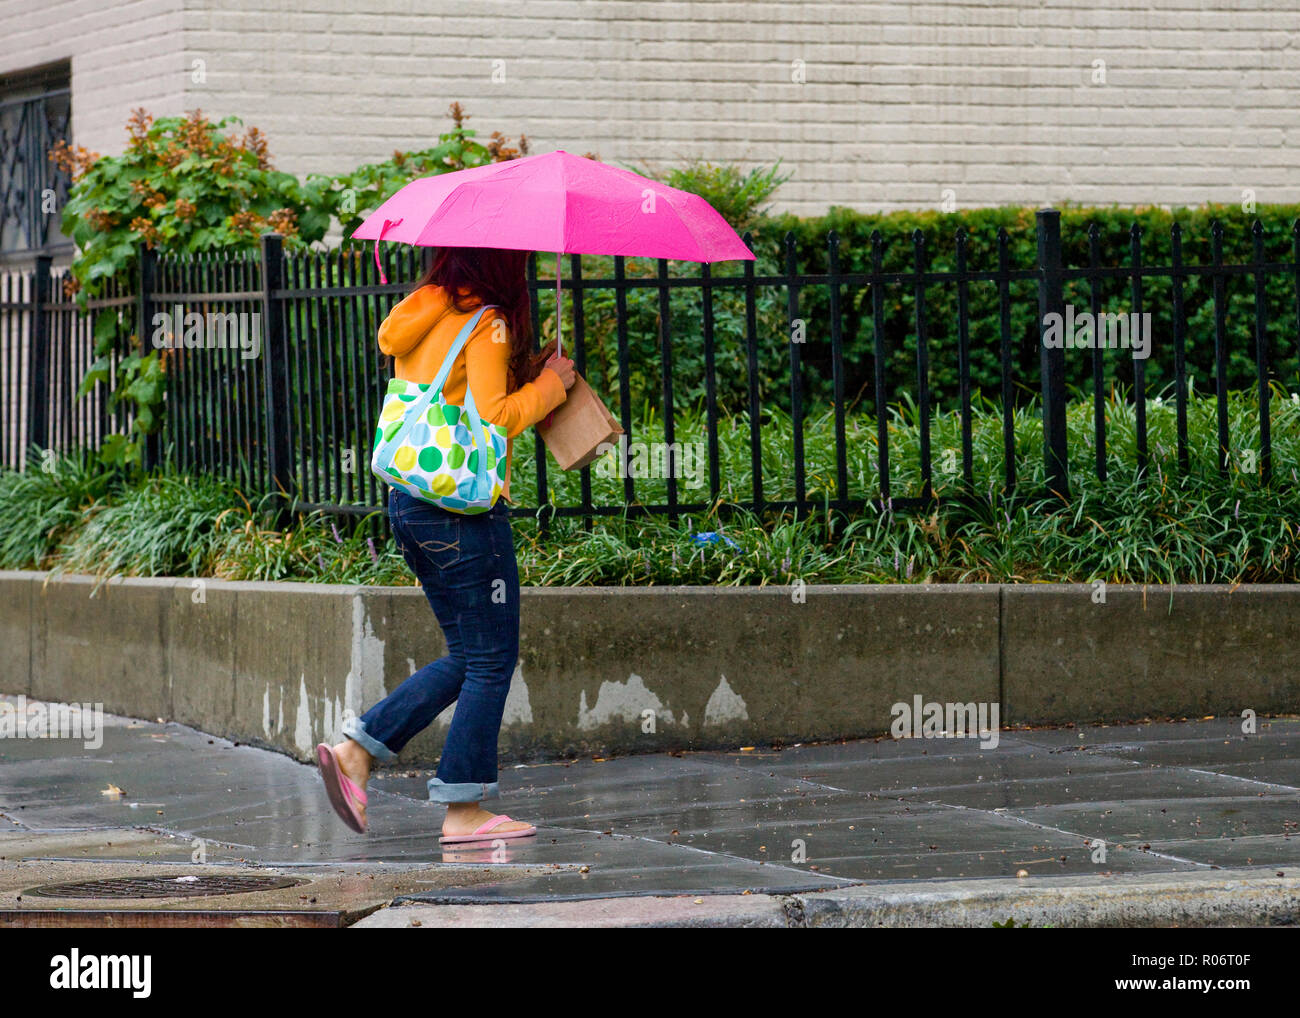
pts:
pixel 633 867
pixel 1214 820
pixel 105 844
pixel 1131 785
pixel 1185 730
pixel 1285 773
pixel 1207 753
pixel 911 776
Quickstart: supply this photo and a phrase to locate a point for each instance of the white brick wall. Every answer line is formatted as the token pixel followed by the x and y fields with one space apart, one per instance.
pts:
pixel 124 55
pixel 902 100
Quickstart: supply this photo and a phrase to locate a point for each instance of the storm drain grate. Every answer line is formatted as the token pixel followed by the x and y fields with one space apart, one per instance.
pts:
pixel 162 887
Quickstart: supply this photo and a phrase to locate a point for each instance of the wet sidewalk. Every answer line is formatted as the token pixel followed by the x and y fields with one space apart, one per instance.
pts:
pixel 1099 803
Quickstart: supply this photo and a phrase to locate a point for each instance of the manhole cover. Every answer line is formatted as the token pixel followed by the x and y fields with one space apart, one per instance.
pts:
pixel 162 887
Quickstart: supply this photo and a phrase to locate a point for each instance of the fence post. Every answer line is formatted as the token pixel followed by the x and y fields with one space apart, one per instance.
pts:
pixel 38 359
pixel 275 392
pixel 1051 300
pixel 148 262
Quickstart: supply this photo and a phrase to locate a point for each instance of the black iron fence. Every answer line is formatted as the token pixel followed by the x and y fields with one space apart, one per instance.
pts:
pixel 46 347
pixel 286 400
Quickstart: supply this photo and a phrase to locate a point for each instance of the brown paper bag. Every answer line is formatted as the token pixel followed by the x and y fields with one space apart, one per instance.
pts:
pixel 579 427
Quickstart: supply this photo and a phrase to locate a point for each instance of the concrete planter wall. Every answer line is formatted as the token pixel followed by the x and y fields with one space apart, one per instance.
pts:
pixel 650 669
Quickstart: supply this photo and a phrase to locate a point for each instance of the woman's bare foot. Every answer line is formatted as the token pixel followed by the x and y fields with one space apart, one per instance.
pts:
pixel 355 763
pixel 467 817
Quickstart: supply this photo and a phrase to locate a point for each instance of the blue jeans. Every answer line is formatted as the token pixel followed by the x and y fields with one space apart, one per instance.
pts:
pixel 466 566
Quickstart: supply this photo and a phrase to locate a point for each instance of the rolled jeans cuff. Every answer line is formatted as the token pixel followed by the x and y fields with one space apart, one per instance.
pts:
pixel 355 729
pixel 466 791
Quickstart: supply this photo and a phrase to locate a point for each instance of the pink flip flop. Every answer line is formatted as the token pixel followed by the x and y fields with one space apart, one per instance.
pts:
pixel 343 791
pixel 484 833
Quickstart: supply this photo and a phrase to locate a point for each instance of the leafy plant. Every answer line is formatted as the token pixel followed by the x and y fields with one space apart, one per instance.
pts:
pixel 41 506
pixel 316 546
pixel 351 196
pixel 160 526
pixel 740 198
pixel 185 185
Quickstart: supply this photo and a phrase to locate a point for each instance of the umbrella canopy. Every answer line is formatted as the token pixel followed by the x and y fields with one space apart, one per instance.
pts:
pixel 556 202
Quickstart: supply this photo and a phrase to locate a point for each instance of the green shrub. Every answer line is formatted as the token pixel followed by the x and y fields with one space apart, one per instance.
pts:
pixel 315 547
pixel 183 185
pixel 40 507
pixel 982 226
pixel 353 195
pixel 161 526
pixel 740 198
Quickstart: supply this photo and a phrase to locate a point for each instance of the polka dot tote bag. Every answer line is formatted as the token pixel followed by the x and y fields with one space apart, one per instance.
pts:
pixel 435 450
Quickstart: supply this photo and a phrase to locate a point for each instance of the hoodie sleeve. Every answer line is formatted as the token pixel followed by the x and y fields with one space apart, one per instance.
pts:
pixel 410 320
pixel 487 358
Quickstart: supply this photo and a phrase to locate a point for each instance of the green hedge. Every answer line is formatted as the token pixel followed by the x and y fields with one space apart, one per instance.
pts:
pixel 939 229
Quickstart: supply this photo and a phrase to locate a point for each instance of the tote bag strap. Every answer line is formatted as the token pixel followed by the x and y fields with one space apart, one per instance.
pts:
pixel 416 410
pixel 456 347
pixel 476 422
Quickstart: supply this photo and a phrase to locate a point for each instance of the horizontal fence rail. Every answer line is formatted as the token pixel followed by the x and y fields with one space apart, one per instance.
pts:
pixel 275 380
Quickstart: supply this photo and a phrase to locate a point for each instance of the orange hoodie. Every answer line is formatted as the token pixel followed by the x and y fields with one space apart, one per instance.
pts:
pixel 419 331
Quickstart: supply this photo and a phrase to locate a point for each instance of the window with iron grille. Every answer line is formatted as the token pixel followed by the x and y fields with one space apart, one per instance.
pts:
pixel 35 112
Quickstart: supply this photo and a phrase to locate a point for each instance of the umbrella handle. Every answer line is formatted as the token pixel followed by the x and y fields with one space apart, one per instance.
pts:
pixel 559 311
pixel 387 223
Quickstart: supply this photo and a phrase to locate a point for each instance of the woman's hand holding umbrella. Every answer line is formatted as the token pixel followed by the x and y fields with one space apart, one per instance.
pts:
pixel 563 367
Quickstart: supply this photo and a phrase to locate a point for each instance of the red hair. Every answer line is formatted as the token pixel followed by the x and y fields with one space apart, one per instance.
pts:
pixel 490 275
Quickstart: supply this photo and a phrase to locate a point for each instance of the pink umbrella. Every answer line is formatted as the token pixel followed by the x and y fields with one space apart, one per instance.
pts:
pixel 555 202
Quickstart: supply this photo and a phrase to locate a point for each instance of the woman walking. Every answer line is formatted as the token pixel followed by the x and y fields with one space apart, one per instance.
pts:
pixel 465 563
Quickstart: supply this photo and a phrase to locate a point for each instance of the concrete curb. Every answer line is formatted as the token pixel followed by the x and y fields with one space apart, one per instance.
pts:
pixel 1246 897
pixel 625 670
pixel 714 911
